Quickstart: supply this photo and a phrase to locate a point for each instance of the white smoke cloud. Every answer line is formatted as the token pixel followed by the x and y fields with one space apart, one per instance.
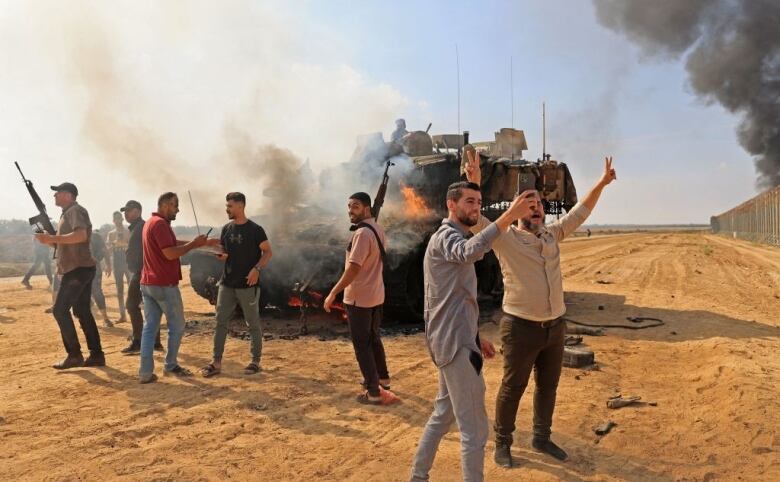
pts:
pixel 153 91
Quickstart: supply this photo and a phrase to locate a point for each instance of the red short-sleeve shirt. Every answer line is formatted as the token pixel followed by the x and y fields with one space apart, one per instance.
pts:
pixel 159 270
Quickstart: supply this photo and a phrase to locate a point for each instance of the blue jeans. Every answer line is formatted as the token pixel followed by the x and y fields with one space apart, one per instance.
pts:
pixel 159 300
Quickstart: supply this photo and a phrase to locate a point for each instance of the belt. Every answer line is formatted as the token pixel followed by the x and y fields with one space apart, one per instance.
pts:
pixel 538 324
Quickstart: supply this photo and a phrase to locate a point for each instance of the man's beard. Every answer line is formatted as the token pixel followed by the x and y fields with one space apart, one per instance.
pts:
pixel 532 227
pixel 466 220
pixel 231 216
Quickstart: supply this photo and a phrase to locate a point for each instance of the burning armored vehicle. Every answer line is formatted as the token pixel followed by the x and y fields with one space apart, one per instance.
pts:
pixel 414 171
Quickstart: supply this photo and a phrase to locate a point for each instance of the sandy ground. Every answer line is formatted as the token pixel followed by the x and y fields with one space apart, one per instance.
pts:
pixel 713 370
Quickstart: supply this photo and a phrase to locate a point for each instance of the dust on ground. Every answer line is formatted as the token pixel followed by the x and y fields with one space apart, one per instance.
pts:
pixel 712 368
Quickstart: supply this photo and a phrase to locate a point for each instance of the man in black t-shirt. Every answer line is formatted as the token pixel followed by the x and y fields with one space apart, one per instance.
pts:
pixel 245 251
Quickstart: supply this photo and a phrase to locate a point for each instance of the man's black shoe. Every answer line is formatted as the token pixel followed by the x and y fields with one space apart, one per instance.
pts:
pixel 133 348
pixel 96 360
pixel 71 361
pixel 503 456
pixel 548 447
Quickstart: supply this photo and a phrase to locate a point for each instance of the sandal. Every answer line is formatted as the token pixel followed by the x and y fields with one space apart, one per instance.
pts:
pixel 252 368
pixel 179 371
pixel 209 371
pixel 365 399
pixel 385 387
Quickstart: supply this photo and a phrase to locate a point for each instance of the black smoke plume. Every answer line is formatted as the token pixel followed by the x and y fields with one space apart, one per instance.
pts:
pixel 732 55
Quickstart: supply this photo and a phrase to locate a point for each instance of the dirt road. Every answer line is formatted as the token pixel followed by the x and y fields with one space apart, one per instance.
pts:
pixel 713 370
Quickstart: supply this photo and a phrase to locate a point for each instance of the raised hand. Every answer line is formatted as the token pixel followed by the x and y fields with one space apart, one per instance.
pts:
pixel 590 199
pixel 472 169
pixel 524 204
pixel 609 173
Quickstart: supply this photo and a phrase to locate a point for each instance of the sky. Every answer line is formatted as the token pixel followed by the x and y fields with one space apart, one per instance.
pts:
pixel 131 99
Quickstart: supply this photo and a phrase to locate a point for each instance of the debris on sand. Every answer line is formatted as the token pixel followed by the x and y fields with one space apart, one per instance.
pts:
pixel 578 357
pixel 619 401
pixel 604 428
pixel 583 330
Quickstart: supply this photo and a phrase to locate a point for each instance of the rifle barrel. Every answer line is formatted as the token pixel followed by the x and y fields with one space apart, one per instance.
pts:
pixel 20 171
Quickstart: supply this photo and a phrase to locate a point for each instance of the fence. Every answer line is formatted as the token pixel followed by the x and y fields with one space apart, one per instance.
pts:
pixel 755 220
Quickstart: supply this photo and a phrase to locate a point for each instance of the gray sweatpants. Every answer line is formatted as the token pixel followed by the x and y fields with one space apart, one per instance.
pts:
pixel 461 399
pixel 247 298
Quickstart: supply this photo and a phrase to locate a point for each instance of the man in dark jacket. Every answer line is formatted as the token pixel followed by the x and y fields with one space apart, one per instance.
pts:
pixel 135 262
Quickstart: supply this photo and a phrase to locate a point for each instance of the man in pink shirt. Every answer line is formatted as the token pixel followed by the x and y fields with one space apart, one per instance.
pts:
pixel 364 294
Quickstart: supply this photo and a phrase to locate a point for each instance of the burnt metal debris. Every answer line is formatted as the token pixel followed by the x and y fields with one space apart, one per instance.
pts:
pixel 309 253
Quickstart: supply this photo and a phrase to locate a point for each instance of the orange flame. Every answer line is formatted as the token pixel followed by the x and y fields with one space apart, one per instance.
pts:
pixel 414 205
pixel 314 300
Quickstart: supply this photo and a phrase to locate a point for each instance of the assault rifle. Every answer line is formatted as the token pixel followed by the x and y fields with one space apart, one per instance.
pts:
pixel 379 199
pixel 41 222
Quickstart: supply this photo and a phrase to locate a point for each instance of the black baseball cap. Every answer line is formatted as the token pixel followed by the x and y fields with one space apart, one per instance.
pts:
pixel 67 187
pixel 130 205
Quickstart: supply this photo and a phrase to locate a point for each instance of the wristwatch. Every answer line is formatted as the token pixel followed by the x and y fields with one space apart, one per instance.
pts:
pixel 255 267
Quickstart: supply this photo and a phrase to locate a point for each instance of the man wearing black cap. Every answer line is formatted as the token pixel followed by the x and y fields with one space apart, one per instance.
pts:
pixel 135 263
pixel 77 267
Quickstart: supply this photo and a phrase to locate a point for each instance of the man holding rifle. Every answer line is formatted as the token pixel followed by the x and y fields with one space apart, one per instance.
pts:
pixel 77 267
pixel 364 295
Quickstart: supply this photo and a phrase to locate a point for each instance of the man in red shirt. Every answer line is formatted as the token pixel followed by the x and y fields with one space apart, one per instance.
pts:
pixel 160 286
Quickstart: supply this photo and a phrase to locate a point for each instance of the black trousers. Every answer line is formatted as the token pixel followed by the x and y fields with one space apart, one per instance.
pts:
pixel 529 345
pixel 134 300
pixel 74 293
pixel 369 350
